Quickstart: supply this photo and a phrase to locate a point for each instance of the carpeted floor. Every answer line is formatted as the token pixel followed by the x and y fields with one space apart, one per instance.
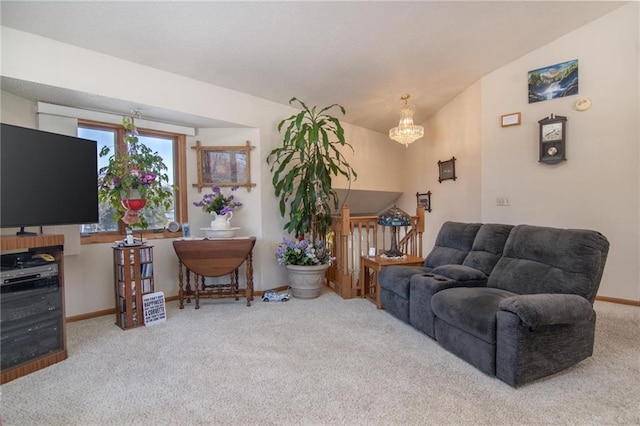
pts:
pixel 323 361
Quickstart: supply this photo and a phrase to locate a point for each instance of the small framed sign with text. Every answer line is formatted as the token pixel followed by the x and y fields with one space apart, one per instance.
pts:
pixel 154 308
pixel 512 119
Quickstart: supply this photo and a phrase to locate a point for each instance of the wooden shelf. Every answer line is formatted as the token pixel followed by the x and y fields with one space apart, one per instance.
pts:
pixel 133 277
pixel 18 242
pixel 53 244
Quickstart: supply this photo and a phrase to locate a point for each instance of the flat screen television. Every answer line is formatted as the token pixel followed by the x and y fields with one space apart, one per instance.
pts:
pixel 46 178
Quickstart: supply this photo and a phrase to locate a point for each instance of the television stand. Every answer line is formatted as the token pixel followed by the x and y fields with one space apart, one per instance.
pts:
pixel 22 233
pixel 33 314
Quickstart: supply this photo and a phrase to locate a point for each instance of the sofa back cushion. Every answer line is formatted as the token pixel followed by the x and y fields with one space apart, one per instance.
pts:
pixel 453 243
pixel 550 260
pixel 487 247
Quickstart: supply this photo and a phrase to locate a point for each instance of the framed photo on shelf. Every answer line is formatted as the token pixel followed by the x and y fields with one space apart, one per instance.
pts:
pixel 424 200
pixel 513 119
pixel 447 169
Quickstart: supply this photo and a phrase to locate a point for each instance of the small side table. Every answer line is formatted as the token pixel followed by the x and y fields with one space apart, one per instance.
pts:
pixel 371 266
pixel 214 258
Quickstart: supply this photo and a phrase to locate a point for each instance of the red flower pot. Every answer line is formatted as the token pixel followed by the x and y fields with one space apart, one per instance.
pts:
pixel 134 204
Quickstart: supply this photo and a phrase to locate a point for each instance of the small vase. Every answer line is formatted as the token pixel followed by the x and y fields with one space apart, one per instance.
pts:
pixel 221 222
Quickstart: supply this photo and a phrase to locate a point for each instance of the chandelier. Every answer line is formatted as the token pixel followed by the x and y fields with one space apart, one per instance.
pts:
pixel 406 132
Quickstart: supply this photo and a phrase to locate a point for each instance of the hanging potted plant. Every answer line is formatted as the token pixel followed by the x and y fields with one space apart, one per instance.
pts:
pixel 134 179
pixel 302 168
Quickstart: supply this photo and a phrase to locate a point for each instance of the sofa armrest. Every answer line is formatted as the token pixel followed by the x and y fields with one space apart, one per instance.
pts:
pixel 431 283
pixel 548 309
pixel 459 273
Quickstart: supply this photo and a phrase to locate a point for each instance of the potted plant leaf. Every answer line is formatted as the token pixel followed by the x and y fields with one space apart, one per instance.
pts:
pixel 303 168
pixel 134 179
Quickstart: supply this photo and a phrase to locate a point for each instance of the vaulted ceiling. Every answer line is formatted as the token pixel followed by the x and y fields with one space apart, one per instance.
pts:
pixel 360 54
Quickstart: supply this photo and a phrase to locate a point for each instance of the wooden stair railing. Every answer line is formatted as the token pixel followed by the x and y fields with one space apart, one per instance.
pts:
pixel 352 237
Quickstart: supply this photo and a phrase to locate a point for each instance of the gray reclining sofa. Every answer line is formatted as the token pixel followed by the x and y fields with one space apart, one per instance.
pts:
pixel 516 302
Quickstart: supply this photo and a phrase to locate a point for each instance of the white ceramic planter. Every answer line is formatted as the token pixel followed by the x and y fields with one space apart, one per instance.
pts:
pixel 306 281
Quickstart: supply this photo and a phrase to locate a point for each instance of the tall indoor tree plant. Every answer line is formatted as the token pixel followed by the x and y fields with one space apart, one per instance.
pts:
pixel 303 168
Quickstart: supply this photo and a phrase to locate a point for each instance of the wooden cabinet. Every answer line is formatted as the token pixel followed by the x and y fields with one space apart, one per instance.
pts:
pixel 32 299
pixel 133 278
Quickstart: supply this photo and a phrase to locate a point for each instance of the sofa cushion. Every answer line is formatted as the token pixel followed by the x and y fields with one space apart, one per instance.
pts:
pixel 488 247
pixel 396 278
pixel 470 309
pixel 550 260
pixel 453 243
pixel 423 286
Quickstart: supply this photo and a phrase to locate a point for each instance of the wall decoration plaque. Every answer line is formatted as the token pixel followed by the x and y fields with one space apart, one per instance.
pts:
pixel 447 170
pixel 424 200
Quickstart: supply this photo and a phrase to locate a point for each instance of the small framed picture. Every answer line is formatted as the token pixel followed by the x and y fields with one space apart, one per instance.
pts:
pixel 223 166
pixel 447 169
pixel 512 119
pixel 424 200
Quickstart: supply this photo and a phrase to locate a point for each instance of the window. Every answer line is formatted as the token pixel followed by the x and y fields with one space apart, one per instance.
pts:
pixel 171 147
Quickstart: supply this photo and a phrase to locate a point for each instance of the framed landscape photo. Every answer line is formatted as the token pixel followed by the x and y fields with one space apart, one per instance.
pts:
pixel 553 81
pixel 221 167
pixel 447 169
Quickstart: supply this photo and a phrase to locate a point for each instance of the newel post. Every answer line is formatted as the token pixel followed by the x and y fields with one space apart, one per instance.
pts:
pixel 345 276
pixel 420 227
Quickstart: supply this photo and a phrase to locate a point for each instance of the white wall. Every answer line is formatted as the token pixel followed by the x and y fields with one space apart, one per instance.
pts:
pixel 454 131
pixel 18 111
pixel 597 188
pixel 60 65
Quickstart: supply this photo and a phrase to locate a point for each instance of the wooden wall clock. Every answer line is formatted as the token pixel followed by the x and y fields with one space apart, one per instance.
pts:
pixel 553 139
